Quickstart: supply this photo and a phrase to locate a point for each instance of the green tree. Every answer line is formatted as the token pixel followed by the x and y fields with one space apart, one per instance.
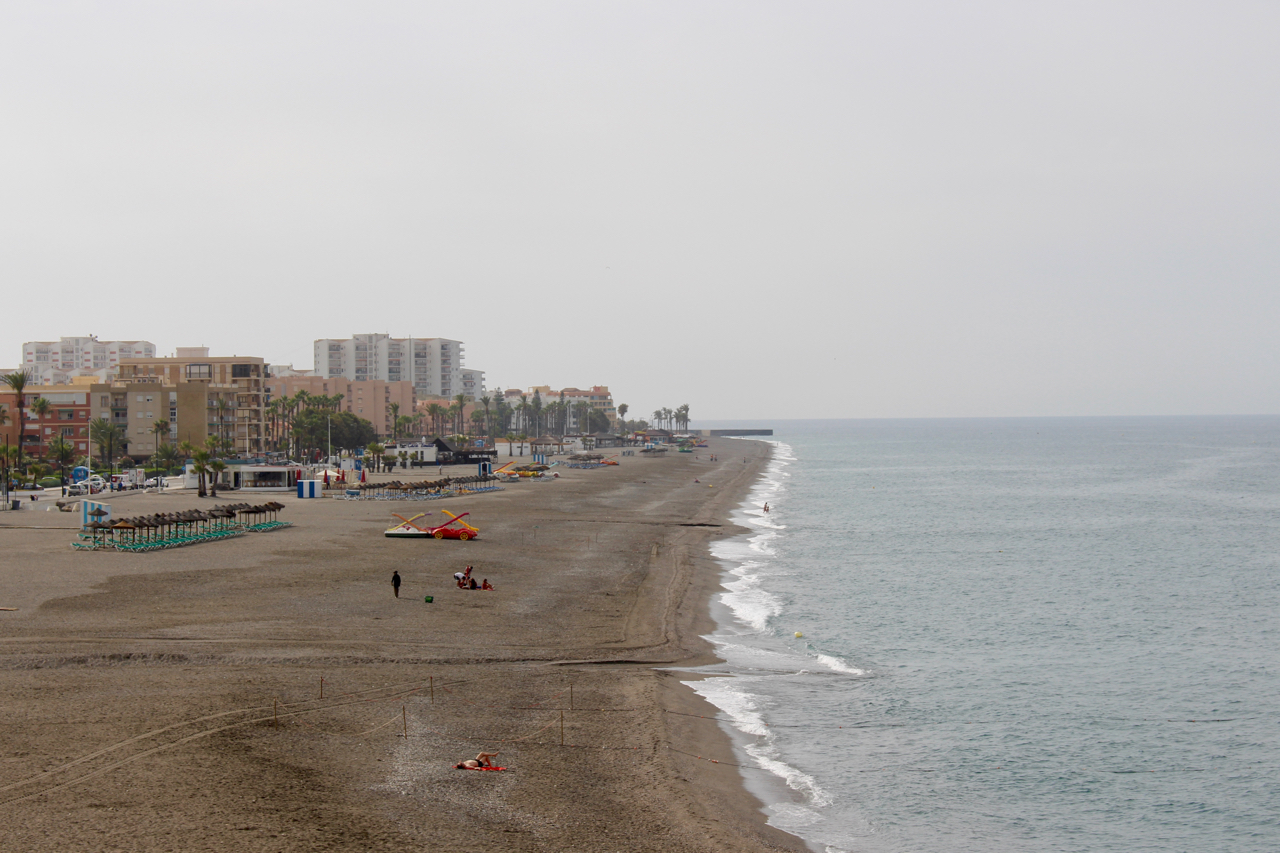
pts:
pixel 623 408
pixel 37 471
pixel 510 439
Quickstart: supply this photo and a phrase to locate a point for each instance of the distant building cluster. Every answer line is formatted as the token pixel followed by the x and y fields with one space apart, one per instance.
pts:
pixel 191 395
pixel 59 362
pixel 433 366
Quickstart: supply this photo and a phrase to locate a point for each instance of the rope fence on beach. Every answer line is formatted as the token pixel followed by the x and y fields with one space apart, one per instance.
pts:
pixel 303 712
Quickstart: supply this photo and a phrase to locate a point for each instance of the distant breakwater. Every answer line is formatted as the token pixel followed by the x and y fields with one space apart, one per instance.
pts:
pixel 717 433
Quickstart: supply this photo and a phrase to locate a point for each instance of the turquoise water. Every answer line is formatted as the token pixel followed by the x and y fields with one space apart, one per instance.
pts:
pixel 1018 635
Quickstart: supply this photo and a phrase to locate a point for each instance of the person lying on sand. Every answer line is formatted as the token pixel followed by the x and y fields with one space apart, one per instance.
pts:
pixel 483 759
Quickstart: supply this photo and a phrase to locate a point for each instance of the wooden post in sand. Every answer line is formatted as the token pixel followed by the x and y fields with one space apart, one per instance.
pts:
pixel 322 687
pixel 562 728
pixel 404 716
pixel 571 697
pixel 431 679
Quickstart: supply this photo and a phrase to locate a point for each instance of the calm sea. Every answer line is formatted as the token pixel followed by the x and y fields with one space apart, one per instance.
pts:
pixel 1018 635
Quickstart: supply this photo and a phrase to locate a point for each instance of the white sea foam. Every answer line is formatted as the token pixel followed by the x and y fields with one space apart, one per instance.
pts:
pixel 750 603
pixel 744 712
pixel 835 664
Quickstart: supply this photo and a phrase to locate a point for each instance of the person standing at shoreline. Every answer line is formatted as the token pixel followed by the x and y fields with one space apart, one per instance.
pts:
pixel 395 583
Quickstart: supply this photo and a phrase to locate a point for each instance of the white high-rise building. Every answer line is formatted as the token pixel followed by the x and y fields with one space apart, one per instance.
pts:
pixel 56 362
pixel 433 365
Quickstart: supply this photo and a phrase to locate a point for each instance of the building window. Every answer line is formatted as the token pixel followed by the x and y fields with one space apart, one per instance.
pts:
pixel 241 371
pixel 199 371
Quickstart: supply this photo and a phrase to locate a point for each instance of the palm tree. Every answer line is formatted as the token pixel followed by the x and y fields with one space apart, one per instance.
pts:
pixel 41 407
pixel 682 416
pixel 37 471
pixel 17 381
pixel 394 408
pixel 523 408
pixel 216 467
pixel 200 464
pixel 436 412
pixel 478 417
pixel 62 453
pixel 622 416
pixel 537 413
pixel 510 438
pixel 488 427
pixel 373 452
pixel 160 429
pixel 221 406
pixel 522 438
pixel 109 437
pixel 460 400
pixel 168 457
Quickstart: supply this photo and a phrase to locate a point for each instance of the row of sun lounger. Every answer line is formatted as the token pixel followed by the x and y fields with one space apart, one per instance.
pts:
pixel 164 531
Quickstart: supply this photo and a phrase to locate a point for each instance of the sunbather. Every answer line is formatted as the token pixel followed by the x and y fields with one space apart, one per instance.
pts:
pixel 483 759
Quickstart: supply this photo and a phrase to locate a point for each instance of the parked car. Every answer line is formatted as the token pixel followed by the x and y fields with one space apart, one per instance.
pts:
pixel 77 490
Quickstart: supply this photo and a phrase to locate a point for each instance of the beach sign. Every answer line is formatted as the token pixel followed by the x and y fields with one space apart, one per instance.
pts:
pixel 94 511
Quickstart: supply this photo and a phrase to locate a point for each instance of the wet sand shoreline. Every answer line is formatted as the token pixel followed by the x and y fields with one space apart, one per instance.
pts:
pixel 172 700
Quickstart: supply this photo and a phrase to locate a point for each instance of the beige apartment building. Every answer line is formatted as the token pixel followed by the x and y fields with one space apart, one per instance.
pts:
pixel 200 395
pixel 597 396
pixel 370 399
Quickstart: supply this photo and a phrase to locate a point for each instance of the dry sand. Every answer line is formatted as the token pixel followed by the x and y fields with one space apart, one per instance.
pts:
pixel 172 700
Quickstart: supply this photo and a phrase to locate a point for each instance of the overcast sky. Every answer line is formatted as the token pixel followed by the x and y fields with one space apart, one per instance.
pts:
pixel 764 210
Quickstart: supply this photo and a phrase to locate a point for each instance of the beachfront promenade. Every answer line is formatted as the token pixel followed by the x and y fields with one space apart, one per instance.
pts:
pixel 270 692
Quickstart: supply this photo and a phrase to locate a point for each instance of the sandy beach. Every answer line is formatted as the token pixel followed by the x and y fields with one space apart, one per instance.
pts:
pixel 270 693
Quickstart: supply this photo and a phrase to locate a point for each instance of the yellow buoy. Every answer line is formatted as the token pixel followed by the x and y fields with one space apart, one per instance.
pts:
pixel 799 635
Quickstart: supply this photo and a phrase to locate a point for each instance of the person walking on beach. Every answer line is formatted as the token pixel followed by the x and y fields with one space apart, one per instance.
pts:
pixel 395 583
